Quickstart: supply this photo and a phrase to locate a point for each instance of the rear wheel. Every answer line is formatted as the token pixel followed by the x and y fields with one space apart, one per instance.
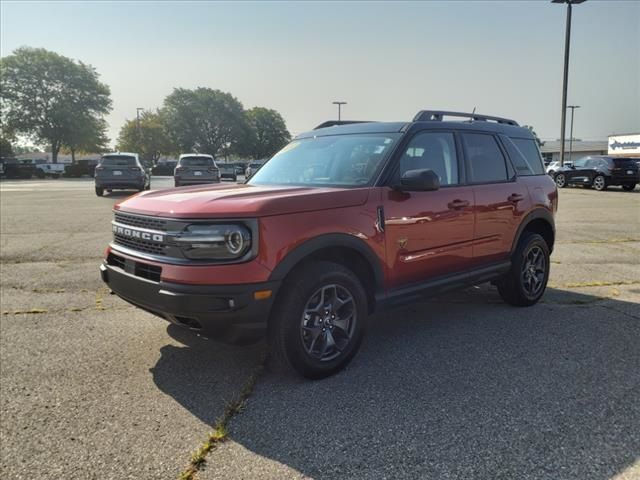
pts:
pixel 319 320
pixel 99 191
pixel 628 188
pixel 177 183
pixel 561 180
pixel 600 183
pixel 527 280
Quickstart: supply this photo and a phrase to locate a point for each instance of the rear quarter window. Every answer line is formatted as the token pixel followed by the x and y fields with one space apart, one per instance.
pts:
pixel 525 155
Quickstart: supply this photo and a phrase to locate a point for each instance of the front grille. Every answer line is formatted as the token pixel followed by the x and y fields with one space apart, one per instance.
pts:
pixel 139 245
pixel 150 223
pixel 139 269
pixel 150 272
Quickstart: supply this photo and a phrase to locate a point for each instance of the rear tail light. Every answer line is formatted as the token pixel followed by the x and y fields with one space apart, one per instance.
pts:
pixel 99 168
pixel 135 169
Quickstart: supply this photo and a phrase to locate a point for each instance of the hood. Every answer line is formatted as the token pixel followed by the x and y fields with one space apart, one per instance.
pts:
pixel 240 200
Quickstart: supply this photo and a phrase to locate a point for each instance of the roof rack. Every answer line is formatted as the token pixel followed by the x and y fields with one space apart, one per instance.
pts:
pixel 333 123
pixel 436 115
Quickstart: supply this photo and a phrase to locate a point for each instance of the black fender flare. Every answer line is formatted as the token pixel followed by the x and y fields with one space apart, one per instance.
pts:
pixel 327 241
pixel 538 213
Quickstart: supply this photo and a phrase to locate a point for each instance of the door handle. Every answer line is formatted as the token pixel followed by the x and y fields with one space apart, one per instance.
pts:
pixel 458 204
pixel 515 197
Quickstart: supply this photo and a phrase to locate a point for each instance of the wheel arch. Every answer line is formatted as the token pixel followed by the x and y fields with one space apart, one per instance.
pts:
pixel 538 221
pixel 345 249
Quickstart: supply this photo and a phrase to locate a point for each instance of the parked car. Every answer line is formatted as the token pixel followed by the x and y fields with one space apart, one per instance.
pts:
pixel 53 170
pixel 240 168
pixel 121 171
pixel 195 169
pixel 13 168
pixel 164 168
pixel 228 172
pixel 554 167
pixel 253 168
pixel 600 172
pixel 81 168
pixel 342 222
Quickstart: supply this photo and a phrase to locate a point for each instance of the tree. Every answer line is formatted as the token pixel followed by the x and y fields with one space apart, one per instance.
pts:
pixel 535 135
pixel 267 133
pixel 147 138
pixel 6 149
pixel 88 135
pixel 203 120
pixel 44 94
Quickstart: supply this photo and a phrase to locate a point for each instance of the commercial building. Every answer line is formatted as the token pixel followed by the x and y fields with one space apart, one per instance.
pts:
pixel 580 148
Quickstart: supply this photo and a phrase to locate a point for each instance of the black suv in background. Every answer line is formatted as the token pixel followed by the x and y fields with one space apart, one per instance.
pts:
pixel 121 171
pixel 600 172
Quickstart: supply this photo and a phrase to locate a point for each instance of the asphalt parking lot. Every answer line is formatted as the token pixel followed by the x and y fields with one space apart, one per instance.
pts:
pixel 460 386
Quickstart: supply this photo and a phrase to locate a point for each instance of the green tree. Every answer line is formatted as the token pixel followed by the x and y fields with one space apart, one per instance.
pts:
pixel 535 135
pixel 266 134
pixel 44 94
pixel 88 135
pixel 203 120
pixel 147 137
pixel 6 149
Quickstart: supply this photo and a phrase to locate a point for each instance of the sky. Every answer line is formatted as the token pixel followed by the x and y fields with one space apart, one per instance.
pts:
pixel 388 60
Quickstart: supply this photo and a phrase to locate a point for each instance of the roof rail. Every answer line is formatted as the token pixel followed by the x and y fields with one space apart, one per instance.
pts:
pixel 333 123
pixel 436 115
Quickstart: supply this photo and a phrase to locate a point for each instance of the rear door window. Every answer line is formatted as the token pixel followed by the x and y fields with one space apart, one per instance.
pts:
pixel 485 161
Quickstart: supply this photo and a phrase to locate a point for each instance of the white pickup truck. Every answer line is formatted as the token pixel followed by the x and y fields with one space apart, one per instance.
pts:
pixel 53 170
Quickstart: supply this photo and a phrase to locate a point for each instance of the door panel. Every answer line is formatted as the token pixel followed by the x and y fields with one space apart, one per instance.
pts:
pixel 499 210
pixel 428 233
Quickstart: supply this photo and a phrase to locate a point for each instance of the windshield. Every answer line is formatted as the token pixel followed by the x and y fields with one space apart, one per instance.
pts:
pixel 118 160
pixel 196 161
pixel 339 160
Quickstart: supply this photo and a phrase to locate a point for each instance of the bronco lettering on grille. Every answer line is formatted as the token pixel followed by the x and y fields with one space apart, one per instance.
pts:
pixel 133 233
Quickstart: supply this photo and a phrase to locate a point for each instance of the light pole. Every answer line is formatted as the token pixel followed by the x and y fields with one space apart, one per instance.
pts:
pixel 572 107
pixel 567 39
pixel 339 104
pixel 138 110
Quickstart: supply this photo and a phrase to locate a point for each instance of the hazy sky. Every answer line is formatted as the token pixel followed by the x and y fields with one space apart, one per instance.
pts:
pixel 387 60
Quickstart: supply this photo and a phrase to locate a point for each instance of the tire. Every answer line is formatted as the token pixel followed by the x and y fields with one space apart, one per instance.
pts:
pixel 629 188
pixel 561 180
pixel 599 183
pixel 176 183
pixel 305 336
pixel 40 174
pixel 99 191
pixel 527 280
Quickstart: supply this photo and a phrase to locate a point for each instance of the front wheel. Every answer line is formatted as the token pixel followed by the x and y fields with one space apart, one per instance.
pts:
pixel 628 188
pixel 527 280
pixel 319 320
pixel 99 191
pixel 600 183
pixel 561 180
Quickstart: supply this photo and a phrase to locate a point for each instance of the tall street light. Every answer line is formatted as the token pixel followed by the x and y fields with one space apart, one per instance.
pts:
pixel 339 104
pixel 567 39
pixel 138 110
pixel 572 107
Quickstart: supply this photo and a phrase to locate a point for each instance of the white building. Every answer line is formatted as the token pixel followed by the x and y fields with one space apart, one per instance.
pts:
pixel 580 148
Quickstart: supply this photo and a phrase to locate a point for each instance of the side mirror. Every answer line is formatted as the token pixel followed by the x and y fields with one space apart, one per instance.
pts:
pixel 424 180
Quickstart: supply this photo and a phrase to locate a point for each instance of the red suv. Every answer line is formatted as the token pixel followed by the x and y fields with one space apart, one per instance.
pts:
pixel 345 220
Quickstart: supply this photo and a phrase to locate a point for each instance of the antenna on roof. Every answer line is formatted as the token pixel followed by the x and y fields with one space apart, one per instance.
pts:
pixel 474 110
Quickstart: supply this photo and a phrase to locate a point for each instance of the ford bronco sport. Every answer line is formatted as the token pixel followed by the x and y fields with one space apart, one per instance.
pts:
pixel 343 221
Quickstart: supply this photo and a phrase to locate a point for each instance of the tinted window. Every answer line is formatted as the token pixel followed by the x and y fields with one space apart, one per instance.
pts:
pixel 196 161
pixel 117 161
pixel 434 151
pixel 338 160
pixel 625 163
pixel 484 158
pixel 526 157
pixel 581 162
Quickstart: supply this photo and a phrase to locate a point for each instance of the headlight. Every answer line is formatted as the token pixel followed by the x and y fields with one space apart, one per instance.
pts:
pixel 215 242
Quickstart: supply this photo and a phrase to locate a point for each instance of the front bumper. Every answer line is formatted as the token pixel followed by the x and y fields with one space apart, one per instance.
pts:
pixel 227 312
